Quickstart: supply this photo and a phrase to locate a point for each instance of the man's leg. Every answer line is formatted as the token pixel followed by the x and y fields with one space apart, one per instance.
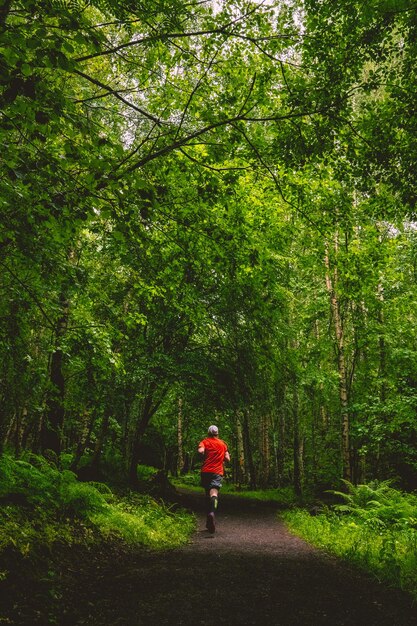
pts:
pixel 214 499
pixel 213 495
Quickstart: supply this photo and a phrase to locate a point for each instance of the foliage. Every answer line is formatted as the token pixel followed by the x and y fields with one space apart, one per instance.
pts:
pixel 146 472
pixel 283 496
pixel 376 529
pixel 35 483
pixel 378 504
pixel 41 506
pixel 141 520
pixel 213 203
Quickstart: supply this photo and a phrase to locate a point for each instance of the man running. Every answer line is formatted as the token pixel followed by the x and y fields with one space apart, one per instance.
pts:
pixel 214 452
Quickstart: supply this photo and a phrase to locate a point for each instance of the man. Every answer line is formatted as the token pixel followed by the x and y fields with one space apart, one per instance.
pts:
pixel 214 452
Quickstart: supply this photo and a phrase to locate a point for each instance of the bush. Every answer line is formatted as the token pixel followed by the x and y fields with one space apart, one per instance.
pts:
pixel 378 504
pixel 146 472
pixel 140 519
pixel 42 504
pixel 375 527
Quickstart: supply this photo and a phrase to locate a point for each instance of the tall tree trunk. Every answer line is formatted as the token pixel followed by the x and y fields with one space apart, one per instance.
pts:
pixel 101 439
pixel 324 414
pixel 11 379
pixel 240 451
pixel 248 450
pixel 382 344
pixel 180 455
pixel 20 419
pixel 54 414
pixel 264 449
pixel 331 283
pixel 380 468
pixel 84 437
pixel 149 408
pixel 141 425
pixel 297 446
pixel 280 445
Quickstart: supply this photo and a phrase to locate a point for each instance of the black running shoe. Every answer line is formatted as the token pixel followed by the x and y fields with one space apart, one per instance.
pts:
pixel 210 525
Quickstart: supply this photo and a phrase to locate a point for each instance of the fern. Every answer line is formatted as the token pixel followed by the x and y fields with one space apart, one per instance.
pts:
pixel 42 504
pixel 378 503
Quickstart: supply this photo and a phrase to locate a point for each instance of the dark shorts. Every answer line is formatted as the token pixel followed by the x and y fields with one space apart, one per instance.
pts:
pixel 211 481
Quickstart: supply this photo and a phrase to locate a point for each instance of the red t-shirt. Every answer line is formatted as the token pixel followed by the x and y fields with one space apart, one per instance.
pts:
pixel 214 453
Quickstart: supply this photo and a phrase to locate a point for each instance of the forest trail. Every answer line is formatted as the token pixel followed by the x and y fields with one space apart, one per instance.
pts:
pixel 252 571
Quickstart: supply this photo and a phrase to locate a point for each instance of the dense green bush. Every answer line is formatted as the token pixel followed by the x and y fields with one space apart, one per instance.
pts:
pixel 40 505
pixel 36 483
pixel 375 527
pixel 146 472
pixel 378 505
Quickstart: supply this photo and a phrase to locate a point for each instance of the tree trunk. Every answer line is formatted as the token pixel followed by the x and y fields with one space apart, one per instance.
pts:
pixel 240 477
pixel 248 450
pixel 140 428
pixel 297 446
pixel 54 414
pixel 180 455
pixel 331 284
pixel 149 408
pixel 280 445
pixel 101 439
pixel 84 438
pixel 264 449
pixel 381 344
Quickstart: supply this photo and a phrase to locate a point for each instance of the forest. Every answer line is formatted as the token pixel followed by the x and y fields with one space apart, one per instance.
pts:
pixel 208 217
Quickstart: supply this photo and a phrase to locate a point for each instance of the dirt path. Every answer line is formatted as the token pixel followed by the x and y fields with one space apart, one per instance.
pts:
pixel 252 571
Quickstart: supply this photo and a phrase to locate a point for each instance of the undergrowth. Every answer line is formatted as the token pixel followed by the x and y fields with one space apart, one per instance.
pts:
pixel 41 506
pixel 374 526
pixel 284 496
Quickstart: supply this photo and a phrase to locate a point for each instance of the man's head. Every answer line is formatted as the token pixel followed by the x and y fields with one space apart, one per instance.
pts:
pixel 213 431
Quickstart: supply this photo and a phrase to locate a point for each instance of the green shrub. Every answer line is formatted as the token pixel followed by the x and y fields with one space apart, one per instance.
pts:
pixel 139 519
pixel 146 472
pixel 34 480
pixel 41 505
pixel 375 528
pixel 192 479
pixel 378 504
pixel 81 500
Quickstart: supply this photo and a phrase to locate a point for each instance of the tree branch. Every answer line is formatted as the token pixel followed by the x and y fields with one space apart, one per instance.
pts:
pixel 32 295
pixel 230 121
pixel 210 167
pixel 117 95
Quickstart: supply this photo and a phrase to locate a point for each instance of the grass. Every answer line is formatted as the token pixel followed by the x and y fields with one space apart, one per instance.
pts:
pixel 283 496
pixel 375 527
pixel 142 520
pixel 41 506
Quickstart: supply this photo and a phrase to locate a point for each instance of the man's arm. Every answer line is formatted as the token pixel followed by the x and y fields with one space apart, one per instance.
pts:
pixel 227 456
pixel 201 449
